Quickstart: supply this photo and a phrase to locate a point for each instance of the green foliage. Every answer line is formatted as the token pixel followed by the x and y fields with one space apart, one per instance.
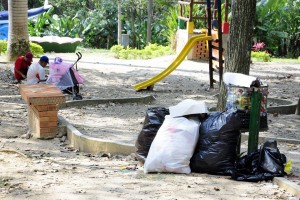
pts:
pixel 96 21
pixel 38 26
pixel 260 56
pixel 97 26
pixel 277 24
pixel 35 3
pixel 150 51
pixel 35 49
pixel 3 46
pixel 171 26
pixel 116 49
pixel 52 24
pixel 285 60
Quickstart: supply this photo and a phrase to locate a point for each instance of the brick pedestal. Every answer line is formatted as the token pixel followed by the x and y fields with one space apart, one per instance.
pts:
pixel 42 101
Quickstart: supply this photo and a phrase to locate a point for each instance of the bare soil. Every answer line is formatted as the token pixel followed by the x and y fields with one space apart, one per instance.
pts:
pixel 50 169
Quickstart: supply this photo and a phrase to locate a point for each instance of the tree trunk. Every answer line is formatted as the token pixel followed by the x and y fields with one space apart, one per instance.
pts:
pixel 119 23
pixel 133 28
pixel 18 38
pixel 90 5
pixel 240 42
pixel 149 22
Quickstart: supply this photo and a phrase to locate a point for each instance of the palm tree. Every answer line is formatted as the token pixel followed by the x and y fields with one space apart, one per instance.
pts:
pixel 18 38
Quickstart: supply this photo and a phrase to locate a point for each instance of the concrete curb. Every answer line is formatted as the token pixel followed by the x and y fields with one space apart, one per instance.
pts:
pixel 289 186
pixel 95 145
pixel 89 102
pixel 287 107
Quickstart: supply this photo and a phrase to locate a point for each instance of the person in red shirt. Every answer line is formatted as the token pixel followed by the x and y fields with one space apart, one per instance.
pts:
pixel 21 66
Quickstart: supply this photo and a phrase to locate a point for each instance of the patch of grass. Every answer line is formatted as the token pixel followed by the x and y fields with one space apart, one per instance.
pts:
pixel 150 51
pixel 92 50
pixel 35 49
pixel 260 56
pixel 286 60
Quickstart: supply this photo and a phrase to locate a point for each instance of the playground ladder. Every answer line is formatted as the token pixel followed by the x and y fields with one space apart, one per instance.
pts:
pixel 208 20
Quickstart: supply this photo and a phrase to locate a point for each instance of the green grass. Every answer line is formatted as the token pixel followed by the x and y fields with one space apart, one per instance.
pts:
pixel 150 51
pixel 92 50
pixel 286 60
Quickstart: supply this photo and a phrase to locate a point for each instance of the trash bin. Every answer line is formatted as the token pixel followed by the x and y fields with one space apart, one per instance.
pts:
pixel 240 98
pixel 239 93
pixel 248 95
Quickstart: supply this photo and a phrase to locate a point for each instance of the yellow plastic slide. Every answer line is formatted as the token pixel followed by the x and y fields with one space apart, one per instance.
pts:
pixel 186 49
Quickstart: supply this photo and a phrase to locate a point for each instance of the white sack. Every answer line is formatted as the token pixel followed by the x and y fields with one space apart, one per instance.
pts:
pixel 238 79
pixel 173 146
pixel 188 107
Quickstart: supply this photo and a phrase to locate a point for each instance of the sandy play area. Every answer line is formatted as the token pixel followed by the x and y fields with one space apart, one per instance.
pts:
pixel 50 169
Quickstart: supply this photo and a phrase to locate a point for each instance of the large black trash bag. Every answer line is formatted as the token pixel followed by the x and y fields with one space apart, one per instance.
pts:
pixel 216 150
pixel 153 120
pixel 262 165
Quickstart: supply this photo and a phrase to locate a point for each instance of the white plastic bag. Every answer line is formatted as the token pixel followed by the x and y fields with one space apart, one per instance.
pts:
pixel 173 146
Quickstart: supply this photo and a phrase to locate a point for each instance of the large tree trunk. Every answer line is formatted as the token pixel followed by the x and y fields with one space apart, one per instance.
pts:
pixel 149 22
pixel 240 42
pixel 18 38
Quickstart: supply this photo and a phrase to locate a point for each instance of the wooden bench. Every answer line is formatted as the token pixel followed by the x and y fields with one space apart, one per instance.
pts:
pixel 42 101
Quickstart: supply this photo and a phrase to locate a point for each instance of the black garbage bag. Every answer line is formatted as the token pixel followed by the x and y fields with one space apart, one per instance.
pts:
pixel 262 165
pixel 153 120
pixel 216 150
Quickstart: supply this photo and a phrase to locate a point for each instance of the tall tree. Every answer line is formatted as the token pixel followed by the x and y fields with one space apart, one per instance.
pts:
pixel 149 22
pixel 119 22
pixel 240 42
pixel 18 38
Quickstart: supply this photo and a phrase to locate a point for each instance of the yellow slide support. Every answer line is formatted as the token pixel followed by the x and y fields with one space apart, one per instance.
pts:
pixel 186 49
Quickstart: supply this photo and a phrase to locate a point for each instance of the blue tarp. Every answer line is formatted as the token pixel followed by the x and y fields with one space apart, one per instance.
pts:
pixel 3 31
pixel 31 13
pixel 4 20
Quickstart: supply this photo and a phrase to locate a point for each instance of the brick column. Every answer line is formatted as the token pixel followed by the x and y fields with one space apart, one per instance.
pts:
pixel 42 101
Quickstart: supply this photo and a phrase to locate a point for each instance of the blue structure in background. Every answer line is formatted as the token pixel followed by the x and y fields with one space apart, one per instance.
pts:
pixel 31 13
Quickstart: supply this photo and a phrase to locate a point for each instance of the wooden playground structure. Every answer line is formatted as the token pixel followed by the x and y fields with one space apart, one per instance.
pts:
pixel 214 49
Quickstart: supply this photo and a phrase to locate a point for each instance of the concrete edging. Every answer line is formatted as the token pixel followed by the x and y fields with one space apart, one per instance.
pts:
pixel 95 145
pixel 288 108
pixel 289 186
pixel 89 102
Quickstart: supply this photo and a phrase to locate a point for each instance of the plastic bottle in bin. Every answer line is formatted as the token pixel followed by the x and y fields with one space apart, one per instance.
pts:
pixel 231 100
pixel 244 101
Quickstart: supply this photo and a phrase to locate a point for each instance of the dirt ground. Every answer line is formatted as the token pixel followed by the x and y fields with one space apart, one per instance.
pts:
pixel 50 169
